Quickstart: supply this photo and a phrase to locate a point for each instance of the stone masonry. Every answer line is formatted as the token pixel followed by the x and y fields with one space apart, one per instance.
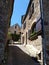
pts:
pixel 5 15
pixel 32 16
pixel 14 29
pixel 28 22
pixel 46 27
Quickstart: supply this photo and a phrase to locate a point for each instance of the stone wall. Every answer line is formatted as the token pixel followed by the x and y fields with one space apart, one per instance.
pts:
pixel 37 43
pixel 29 22
pixel 5 15
pixel 46 27
pixel 15 29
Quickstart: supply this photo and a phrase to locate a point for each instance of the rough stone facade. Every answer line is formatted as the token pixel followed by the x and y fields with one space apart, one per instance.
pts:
pixel 15 29
pixel 5 15
pixel 28 22
pixel 46 27
pixel 31 17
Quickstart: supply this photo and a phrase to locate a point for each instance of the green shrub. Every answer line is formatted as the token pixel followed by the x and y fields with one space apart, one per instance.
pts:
pixel 15 37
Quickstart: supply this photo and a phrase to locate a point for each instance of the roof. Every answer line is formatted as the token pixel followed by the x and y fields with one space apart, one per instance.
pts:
pixel 12 4
pixel 27 10
pixel 11 9
pixel 22 18
pixel 15 25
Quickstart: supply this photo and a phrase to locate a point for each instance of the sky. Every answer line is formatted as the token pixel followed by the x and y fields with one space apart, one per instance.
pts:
pixel 20 7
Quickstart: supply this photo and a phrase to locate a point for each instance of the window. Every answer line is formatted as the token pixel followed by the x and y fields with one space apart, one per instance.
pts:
pixel 15 27
pixel 32 7
pixel 31 10
pixel 24 25
pixel 23 39
pixel 39 56
pixel 36 27
pixel 35 30
pixel 33 27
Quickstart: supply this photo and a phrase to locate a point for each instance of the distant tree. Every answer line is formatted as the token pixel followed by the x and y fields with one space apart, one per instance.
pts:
pixel 15 37
pixel 9 36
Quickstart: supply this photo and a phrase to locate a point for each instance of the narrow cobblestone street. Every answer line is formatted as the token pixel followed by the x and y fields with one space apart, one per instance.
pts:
pixel 17 57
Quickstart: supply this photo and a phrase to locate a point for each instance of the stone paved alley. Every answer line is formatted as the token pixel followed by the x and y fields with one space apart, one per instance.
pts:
pixel 17 57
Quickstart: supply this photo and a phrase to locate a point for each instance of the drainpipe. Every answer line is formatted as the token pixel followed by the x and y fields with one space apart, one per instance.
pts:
pixel 43 53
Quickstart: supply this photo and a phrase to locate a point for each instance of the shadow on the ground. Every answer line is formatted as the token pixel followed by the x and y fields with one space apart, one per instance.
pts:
pixel 17 57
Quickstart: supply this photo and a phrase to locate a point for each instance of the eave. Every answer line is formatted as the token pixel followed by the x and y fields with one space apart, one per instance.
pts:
pixel 10 10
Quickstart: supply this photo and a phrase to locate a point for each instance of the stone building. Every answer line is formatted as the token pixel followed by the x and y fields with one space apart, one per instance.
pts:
pixel 31 32
pixel 15 29
pixel 6 7
pixel 31 27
